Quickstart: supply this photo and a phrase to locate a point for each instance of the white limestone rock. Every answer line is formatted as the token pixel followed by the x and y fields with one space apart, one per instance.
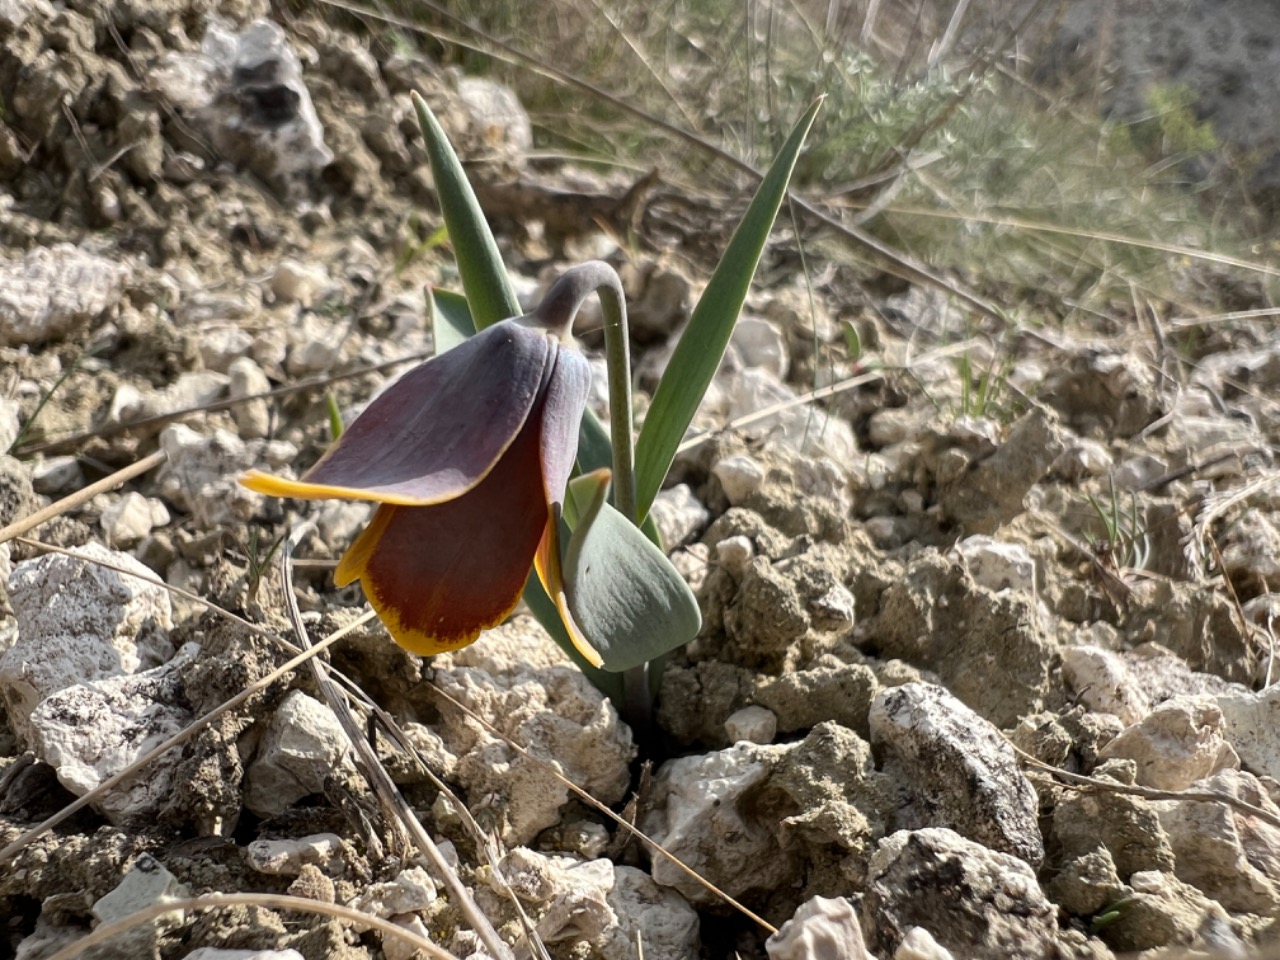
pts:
pixel 131 518
pixel 51 292
pixel 976 902
pixel 697 815
pixel 615 909
pixel 801 427
pixel 89 732
pixel 79 622
pixel 304 744
pixel 220 346
pixel 314 346
pixel 1176 744
pixel 297 282
pixel 741 477
pixel 201 473
pixel 247 379
pixel 1230 856
pixel 754 724
pixel 997 564
pixel 918 944
pixel 1249 723
pixel 287 857
pixel 496 114
pixel 1101 682
pixel 955 770
pixel 679 515
pixel 735 554
pixel 191 390
pixel 518 680
pixel 821 929
pixel 412 890
pixel 147 884
pixel 760 343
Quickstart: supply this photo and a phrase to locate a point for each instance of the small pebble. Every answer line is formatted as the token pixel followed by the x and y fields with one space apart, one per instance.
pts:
pixel 754 724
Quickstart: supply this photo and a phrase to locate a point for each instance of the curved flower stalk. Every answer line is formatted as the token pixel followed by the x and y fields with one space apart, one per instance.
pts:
pixel 467 457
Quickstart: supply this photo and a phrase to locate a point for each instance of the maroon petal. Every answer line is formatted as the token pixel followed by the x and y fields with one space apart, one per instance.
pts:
pixel 439 429
pixel 440 574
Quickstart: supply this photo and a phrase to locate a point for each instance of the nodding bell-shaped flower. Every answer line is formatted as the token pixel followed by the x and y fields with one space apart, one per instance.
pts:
pixel 467 457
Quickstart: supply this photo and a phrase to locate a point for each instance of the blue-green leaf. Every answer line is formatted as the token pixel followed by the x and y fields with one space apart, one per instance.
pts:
pixel 489 291
pixel 626 597
pixel 698 354
pixel 449 318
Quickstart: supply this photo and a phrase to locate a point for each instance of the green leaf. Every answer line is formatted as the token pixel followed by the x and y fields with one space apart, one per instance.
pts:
pixel 450 319
pixel 484 279
pixel 626 597
pixel 698 354
pixel 336 426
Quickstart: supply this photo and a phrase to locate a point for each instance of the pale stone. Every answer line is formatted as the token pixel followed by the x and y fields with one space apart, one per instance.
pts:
pixel 288 857
pixel 755 724
pixel 760 343
pixel 1176 744
pixel 998 565
pixel 821 929
pixel 1101 682
pixel 304 744
pixel 735 553
pixel 1224 852
pixel 247 379
pixel 802 427
pixel 918 944
pixel 1249 723
pixel 412 890
pixel 89 732
pixel 741 477
pixel 79 621
pixel 146 884
pixel 200 475
pixel 698 816
pixel 956 770
pixel 131 518
pixel 51 292
pixel 679 515
pixel 220 346
pixel 296 282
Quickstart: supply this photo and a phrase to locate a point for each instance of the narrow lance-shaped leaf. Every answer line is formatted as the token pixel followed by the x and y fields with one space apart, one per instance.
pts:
pixel 484 279
pixel 697 356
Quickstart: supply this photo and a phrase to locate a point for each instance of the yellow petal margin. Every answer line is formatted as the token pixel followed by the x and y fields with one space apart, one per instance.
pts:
pixel 547 562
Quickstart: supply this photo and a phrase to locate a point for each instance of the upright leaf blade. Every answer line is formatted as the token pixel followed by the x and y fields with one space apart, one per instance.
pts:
pixel 450 319
pixel 702 345
pixel 484 278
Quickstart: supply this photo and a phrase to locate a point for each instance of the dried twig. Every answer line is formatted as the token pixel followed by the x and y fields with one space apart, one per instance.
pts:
pixel 27 524
pixel 376 774
pixel 274 901
pixel 1078 781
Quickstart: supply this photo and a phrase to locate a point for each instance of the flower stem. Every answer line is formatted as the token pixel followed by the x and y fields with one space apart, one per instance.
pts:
pixel 557 310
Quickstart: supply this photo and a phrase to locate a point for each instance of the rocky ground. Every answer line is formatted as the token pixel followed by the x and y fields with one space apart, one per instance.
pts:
pixel 988 634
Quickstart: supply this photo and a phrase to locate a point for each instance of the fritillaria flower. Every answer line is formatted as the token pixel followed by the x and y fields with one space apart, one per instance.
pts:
pixel 467 457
